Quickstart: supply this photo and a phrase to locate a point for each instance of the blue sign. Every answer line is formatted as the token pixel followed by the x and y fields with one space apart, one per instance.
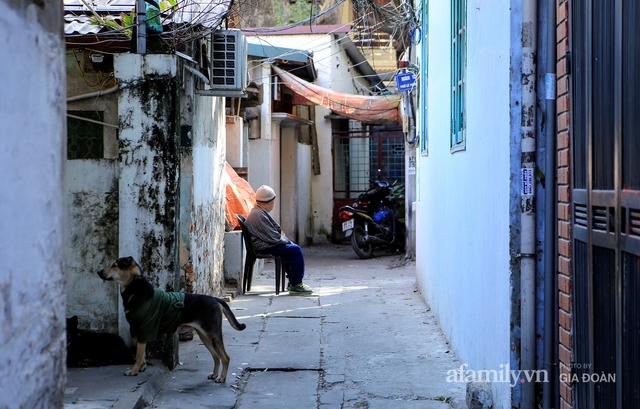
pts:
pixel 406 81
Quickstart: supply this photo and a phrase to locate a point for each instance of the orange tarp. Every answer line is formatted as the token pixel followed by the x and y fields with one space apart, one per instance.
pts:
pixel 240 197
pixel 381 110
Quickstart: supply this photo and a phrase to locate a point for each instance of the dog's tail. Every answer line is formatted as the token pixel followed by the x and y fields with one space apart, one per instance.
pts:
pixel 232 318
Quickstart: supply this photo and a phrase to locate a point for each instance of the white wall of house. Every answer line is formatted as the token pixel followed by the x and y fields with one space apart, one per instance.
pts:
pixel 209 189
pixel 462 215
pixel 32 205
pixel 334 72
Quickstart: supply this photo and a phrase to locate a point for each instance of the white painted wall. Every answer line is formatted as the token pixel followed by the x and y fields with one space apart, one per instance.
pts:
pixel 332 66
pixel 32 205
pixel 462 219
pixel 209 184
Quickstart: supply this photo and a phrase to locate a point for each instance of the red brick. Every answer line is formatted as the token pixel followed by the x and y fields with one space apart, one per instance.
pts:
pixel 564 354
pixel 563 211
pixel 563 103
pixel 563 194
pixel 564 302
pixel 561 51
pixel 564 264
pixel 563 137
pixel 561 67
pixel 561 30
pixel 564 369
pixel 562 86
pixel 562 11
pixel 563 176
pixel 565 391
pixel 563 158
pixel 564 284
pixel 564 230
pixel 565 321
pixel 563 122
pixel 564 248
pixel 565 338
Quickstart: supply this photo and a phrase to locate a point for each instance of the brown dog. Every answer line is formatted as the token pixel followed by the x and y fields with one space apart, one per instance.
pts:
pixel 152 312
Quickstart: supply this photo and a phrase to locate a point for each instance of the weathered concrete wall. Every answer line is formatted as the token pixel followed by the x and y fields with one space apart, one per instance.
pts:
pixel 92 205
pixel 209 182
pixel 149 164
pixel 149 175
pixel 92 242
pixel 32 282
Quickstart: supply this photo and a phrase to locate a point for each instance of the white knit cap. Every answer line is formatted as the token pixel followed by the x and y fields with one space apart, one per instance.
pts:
pixel 265 194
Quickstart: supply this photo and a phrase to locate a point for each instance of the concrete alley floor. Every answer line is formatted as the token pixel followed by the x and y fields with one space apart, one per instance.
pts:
pixel 364 339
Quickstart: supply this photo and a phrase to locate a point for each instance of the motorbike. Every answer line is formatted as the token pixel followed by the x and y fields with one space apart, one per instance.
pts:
pixel 372 220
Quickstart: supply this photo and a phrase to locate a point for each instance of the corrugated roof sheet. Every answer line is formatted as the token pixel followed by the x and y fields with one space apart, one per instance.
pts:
pixel 206 13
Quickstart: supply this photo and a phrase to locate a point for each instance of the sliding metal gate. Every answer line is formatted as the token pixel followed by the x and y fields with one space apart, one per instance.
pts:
pixel 357 156
pixel 606 202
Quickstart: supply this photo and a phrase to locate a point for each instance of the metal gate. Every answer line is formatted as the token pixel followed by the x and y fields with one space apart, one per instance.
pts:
pixel 357 157
pixel 606 202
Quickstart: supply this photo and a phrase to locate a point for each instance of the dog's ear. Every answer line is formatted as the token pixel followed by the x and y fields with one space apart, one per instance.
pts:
pixel 126 262
pixel 72 323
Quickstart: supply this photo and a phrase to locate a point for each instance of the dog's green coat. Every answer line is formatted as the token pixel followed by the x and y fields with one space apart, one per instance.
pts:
pixel 158 315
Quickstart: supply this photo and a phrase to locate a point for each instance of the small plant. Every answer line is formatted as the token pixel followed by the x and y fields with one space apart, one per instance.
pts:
pixel 126 27
pixel 128 20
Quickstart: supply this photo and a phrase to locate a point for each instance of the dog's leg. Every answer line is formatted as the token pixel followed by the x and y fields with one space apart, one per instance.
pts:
pixel 218 347
pixel 141 363
pixel 212 345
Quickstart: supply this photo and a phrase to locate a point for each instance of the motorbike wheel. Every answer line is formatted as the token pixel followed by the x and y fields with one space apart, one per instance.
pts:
pixel 362 249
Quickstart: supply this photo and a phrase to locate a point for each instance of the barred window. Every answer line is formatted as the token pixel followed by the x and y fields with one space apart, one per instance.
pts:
pixel 458 74
pixel 85 139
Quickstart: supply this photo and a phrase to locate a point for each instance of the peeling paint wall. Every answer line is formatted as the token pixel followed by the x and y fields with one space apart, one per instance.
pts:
pixel 92 242
pixel 202 189
pixel 92 205
pixel 209 181
pixel 149 165
pixel 32 221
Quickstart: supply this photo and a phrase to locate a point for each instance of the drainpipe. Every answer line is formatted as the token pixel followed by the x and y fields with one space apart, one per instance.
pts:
pixel 527 203
pixel 141 27
pixel 551 217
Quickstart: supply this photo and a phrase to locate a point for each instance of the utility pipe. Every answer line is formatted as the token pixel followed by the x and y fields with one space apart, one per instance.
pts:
pixel 527 200
pixel 550 219
pixel 197 74
pixel 141 27
pixel 92 94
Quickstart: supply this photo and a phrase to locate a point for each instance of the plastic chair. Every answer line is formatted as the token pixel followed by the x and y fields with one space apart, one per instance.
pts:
pixel 252 256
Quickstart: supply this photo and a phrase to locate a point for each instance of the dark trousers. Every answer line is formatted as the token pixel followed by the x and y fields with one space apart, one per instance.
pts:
pixel 291 254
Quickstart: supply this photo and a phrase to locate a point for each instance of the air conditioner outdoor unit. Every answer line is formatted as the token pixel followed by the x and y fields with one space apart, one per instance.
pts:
pixel 228 62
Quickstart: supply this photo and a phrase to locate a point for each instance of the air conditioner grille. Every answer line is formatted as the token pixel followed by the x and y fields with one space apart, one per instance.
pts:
pixel 228 60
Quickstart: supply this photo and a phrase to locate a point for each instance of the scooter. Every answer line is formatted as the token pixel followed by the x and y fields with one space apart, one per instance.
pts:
pixel 372 221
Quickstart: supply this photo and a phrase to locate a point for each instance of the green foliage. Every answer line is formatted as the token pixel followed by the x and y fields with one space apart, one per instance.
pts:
pixel 298 11
pixel 128 21
pixel 168 4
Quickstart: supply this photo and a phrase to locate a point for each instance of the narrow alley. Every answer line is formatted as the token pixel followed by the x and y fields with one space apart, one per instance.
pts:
pixel 365 339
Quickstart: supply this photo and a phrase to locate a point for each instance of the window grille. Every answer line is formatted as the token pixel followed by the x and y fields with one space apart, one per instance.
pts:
pixel 85 140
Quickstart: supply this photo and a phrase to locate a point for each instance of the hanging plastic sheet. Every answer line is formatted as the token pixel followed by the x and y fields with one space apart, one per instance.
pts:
pixel 367 109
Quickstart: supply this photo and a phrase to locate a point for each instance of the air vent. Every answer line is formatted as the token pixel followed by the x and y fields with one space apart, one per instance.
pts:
pixel 580 215
pixel 228 61
pixel 603 218
pixel 634 222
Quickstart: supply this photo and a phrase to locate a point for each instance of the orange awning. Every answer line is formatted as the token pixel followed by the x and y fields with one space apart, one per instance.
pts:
pixel 368 109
